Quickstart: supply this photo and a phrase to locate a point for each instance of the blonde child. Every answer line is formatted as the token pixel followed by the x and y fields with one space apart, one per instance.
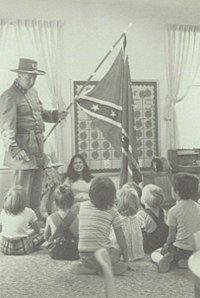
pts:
pixel 128 205
pixel 134 185
pixel 155 230
pixel 20 230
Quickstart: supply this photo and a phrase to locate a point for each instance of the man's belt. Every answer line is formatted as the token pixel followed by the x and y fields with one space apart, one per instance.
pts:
pixel 23 130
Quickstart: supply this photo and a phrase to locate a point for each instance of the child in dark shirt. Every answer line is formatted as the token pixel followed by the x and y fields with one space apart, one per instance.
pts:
pixel 155 230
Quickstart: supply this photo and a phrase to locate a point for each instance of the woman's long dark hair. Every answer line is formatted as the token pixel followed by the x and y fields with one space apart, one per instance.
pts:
pixel 73 175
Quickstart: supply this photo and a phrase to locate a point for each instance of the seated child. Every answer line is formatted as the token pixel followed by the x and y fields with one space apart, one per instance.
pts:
pixel 155 231
pixel 134 185
pixel 50 180
pixel 20 230
pixel 128 204
pixel 183 220
pixel 63 224
pixel 95 220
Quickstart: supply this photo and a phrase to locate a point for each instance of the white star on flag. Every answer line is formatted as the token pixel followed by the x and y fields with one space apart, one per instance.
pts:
pixel 112 114
pixel 95 107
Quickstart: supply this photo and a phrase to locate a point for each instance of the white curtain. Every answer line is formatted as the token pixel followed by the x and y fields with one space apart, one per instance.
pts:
pixel 4 26
pixel 47 39
pixel 182 63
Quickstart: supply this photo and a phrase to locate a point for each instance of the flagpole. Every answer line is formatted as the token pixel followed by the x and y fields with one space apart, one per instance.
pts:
pixel 103 60
pixel 89 79
pixel 55 124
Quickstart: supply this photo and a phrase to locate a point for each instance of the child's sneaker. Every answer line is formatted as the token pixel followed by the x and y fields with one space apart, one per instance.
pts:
pixel 164 263
pixel 182 263
pixel 156 256
pixel 46 244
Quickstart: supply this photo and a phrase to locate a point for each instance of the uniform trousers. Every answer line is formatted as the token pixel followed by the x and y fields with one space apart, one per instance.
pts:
pixel 31 181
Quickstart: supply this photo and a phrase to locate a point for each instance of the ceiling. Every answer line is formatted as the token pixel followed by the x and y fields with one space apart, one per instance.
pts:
pixel 146 3
pixel 168 3
pixel 61 7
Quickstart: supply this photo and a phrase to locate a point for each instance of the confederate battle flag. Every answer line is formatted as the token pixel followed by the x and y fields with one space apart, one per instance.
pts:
pixel 110 106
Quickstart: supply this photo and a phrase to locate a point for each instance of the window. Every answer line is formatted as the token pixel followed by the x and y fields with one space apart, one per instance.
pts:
pixel 188 117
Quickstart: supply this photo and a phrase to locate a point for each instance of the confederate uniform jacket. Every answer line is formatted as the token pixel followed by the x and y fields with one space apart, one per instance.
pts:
pixel 22 127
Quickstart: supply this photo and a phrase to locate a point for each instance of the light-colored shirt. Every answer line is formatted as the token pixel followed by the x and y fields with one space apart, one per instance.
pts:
pixel 132 228
pixel 185 216
pixel 17 226
pixel 95 226
pixel 80 189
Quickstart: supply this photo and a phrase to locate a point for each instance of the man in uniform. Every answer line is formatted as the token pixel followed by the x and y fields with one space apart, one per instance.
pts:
pixel 22 120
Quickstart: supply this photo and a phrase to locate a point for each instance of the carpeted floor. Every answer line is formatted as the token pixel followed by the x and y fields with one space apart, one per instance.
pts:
pixel 37 275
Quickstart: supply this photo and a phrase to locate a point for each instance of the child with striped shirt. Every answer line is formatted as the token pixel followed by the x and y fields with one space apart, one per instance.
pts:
pixel 95 220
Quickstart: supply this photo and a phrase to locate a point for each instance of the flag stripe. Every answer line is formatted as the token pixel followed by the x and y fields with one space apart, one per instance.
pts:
pixel 130 155
pixel 102 102
pixel 124 133
pixel 99 109
pixel 101 117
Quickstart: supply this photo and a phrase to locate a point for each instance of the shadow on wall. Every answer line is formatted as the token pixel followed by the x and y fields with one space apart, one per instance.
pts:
pixel 5 182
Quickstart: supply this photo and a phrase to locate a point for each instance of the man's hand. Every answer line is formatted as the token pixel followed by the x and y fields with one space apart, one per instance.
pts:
pixel 22 155
pixel 63 115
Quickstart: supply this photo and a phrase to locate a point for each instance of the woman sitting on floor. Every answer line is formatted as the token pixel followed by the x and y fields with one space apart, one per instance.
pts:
pixel 78 178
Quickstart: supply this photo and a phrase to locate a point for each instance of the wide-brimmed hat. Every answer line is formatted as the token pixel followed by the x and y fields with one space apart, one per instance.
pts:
pixel 28 66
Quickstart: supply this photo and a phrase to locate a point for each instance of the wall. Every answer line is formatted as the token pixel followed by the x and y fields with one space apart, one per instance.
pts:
pixel 91 29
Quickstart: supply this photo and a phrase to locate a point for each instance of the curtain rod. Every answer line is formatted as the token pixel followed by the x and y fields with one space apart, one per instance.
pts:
pixel 12 22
